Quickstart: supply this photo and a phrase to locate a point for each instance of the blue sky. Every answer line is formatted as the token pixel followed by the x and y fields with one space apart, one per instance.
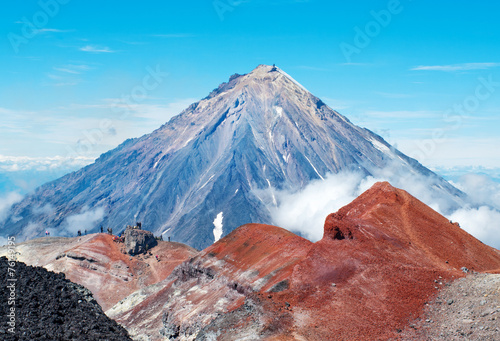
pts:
pixel 425 75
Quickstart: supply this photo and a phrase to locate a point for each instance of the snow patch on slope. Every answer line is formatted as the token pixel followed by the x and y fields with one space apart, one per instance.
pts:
pixel 293 80
pixel 279 110
pixel 218 226
pixel 322 178
pixel 380 146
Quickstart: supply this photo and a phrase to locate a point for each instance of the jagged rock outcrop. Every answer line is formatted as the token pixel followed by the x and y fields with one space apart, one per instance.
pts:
pixel 138 241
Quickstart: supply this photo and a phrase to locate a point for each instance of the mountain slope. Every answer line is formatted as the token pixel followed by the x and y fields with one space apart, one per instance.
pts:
pixel 381 259
pixel 251 258
pixel 101 265
pixel 221 157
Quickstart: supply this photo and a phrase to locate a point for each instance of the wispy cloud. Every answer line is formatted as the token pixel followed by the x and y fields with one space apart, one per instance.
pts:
pixel 356 64
pixel 174 35
pixel 6 203
pixel 66 83
pixel 61 69
pixel 402 114
pixel 26 163
pixel 312 68
pixel 456 67
pixel 392 95
pixel 337 104
pixel 67 75
pixel 88 128
pixel 53 30
pixel 73 69
pixel 96 49
pixel 85 220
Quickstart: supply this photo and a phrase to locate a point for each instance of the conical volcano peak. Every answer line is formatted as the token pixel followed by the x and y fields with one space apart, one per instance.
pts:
pixel 263 80
pixel 263 68
pixel 221 159
pixel 273 73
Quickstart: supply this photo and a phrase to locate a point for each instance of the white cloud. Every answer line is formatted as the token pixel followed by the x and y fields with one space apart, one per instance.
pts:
pixel 174 35
pixel 392 95
pixel 403 114
pixel 337 104
pixel 75 69
pixel 32 230
pixel 25 163
pixel 6 203
pixel 451 151
pixel 47 209
pixel 53 30
pixel 85 220
pixel 305 211
pixel 456 67
pixel 160 114
pixel 483 223
pixel 482 190
pixel 96 49
pixel 66 70
pixel 85 130
pixel 312 68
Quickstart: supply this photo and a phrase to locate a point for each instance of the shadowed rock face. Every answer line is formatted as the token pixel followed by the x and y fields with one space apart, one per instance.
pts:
pixel 381 259
pixel 255 132
pixel 138 241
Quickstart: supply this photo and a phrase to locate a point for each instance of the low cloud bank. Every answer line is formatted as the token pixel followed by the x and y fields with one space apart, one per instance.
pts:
pixel 6 202
pixel 481 216
pixel 85 220
pixel 482 190
pixel 483 223
pixel 304 212
pixel 43 164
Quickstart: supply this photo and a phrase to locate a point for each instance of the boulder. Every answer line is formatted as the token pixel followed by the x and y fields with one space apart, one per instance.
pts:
pixel 138 241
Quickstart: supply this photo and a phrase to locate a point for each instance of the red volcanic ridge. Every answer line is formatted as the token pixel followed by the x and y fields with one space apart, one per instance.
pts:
pixel 381 258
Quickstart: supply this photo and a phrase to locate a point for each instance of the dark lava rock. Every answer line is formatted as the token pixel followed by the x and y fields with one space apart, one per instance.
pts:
pixel 36 304
pixel 138 241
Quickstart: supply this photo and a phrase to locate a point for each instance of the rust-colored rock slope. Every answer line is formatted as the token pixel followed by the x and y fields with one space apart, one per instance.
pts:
pixel 387 254
pixel 381 258
pixel 98 263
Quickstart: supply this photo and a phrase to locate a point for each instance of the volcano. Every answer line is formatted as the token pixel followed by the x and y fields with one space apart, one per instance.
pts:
pixel 381 259
pixel 215 166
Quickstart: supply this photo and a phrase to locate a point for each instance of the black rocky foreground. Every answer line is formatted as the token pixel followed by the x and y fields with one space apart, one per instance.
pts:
pixel 46 306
